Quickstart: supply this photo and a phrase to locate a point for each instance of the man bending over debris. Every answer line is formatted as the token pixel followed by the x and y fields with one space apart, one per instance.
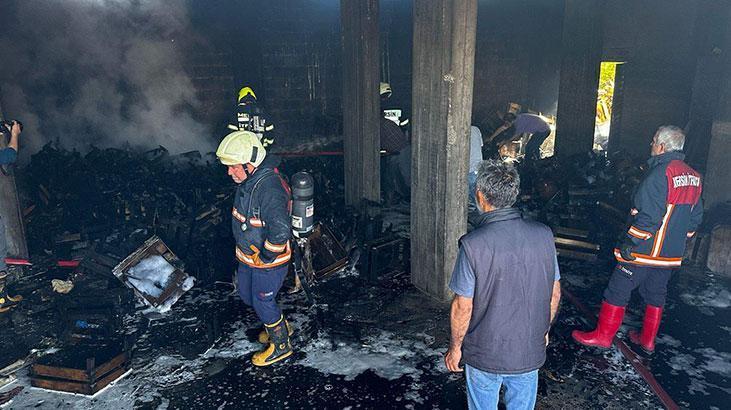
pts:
pixel 667 210
pixel 7 156
pixel 262 231
pixel 507 291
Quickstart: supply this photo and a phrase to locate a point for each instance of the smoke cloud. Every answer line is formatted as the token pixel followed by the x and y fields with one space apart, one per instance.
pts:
pixel 108 73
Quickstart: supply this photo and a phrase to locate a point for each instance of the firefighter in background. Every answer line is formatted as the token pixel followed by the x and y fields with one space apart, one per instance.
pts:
pixel 261 228
pixel 396 164
pixel 251 117
pixel 667 210
pixel 390 110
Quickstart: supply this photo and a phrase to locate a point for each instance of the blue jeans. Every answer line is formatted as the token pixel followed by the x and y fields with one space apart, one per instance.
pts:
pixel 483 389
pixel 259 288
pixel 533 147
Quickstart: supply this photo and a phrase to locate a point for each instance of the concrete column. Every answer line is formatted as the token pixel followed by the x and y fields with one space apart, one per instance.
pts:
pixel 711 28
pixel 361 103
pixel 10 209
pixel 581 54
pixel 443 74
pixel 717 184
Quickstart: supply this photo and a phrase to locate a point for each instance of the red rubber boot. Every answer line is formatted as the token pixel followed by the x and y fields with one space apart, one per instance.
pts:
pixel 650 325
pixel 610 318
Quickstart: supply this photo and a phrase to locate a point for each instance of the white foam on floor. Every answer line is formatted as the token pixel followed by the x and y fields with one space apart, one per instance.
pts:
pixel 712 297
pixel 715 361
pixel 668 340
pixel 234 345
pixel 385 355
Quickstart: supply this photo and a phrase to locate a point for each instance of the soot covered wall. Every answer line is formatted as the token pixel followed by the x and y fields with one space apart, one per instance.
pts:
pixel 290 51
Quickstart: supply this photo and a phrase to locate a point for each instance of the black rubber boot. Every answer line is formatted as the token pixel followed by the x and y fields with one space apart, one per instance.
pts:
pixel 7 302
pixel 278 349
pixel 264 335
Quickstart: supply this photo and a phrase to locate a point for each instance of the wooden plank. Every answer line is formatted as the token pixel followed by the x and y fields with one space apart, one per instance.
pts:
pixel 576 243
pixel 361 104
pixel 584 256
pixel 60 372
pixel 576 233
pixel 443 76
pixel 60 385
pixel 72 386
pixel 114 375
pixel 581 54
pixel 105 368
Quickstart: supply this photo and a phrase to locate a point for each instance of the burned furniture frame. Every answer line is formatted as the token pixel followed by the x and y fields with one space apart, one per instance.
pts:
pixel 152 247
pixel 326 253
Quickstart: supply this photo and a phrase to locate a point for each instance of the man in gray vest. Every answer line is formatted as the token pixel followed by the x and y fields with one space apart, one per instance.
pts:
pixel 507 290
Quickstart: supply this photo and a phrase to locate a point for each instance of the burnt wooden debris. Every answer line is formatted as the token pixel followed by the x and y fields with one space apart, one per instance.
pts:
pixel 78 370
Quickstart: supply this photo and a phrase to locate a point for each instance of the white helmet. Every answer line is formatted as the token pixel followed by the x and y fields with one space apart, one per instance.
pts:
pixel 385 90
pixel 241 147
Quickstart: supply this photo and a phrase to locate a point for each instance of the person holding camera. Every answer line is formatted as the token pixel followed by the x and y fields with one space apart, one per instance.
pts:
pixel 8 155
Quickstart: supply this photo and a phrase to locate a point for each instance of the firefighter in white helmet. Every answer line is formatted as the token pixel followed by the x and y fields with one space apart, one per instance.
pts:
pixel 261 228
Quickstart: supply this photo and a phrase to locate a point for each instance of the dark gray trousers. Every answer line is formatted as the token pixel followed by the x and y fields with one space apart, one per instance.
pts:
pixel 651 281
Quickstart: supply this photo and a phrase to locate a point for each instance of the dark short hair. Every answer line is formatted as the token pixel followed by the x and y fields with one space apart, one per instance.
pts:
pixel 499 183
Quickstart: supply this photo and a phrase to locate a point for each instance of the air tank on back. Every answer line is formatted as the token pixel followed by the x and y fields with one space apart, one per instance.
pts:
pixel 303 207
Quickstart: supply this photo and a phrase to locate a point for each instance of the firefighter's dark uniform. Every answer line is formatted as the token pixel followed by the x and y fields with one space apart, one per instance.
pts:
pixel 261 227
pixel 249 116
pixel 667 210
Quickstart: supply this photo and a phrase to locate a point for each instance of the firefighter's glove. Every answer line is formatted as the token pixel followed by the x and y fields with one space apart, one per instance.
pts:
pixel 255 256
pixel 626 247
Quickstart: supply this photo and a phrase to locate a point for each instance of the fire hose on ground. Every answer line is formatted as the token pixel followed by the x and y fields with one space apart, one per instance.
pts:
pixel 26 262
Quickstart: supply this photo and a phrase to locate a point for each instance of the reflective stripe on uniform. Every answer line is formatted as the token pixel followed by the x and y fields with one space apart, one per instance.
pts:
pixel 281 259
pixel 256 222
pixel 238 216
pixel 275 248
pixel 660 238
pixel 639 233
pixel 645 260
